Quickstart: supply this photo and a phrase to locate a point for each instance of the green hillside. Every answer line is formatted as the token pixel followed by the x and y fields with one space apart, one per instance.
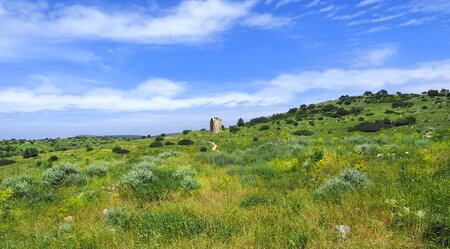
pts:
pixel 377 164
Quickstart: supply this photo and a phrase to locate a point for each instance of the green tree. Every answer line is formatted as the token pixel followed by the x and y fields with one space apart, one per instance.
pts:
pixel 240 122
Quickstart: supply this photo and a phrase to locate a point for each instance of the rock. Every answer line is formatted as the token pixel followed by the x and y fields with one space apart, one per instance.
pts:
pixel 343 230
pixel 68 218
pixel 215 124
pixel 380 155
pixel 105 212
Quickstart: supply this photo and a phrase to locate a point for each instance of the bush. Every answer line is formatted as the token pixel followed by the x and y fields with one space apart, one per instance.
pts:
pixel 405 121
pixel 30 152
pixel 4 162
pixel 255 139
pixel 264 127
pixel 187 179
pixel 53 158
pixel 156 144
pixel 303 133
pixel 185 142
pixel 234 129
pixel 333 190
pixel 401 104
pixel 203 149
pixel 120 150
pixel 297 240
pixel 355 177
pixel 169 143
pixel 159 138
pixel 139 179
pixel 186 132
pixel 96 170
pixel 167 154
pixel 63 174
pixel 22 186
pixel 117 216
pixel 437 232
pixel 372 126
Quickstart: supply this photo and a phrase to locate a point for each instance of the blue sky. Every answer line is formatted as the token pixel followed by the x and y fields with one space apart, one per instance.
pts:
pixel 146 67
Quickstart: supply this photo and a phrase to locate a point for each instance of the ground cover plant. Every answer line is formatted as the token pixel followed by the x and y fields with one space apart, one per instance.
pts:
pixel 377 164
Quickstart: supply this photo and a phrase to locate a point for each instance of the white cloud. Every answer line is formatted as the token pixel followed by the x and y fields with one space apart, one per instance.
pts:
pixel 431 6
pixel 328 8
pixel 374 57
pixel 371 78
pixel 163 94
pixel 189 22
pixel 313 3
pixel 367 2
pixel 415 22
pixel 159 87
pixel 266 21
pixel 285 2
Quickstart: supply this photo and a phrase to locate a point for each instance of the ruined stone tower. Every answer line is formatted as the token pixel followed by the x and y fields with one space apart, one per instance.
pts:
pixel 215 124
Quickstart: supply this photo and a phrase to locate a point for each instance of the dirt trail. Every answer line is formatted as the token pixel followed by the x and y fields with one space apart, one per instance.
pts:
pixel 214 145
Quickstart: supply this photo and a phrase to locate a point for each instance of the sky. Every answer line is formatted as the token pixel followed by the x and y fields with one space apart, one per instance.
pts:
pixel 145 67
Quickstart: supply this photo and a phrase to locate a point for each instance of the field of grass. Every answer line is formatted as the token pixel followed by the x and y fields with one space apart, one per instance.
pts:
pixel 285 181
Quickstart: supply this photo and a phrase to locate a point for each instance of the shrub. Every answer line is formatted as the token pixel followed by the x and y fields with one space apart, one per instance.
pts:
pixel 22 186
pixel 185 142
pixel 187 179
pixel 264 127
pixel 159 138
pixel 120 150
pixel 303 133
pixel 355 177
pixel 405 121
pixel 117 216
pixel 333 190
pixel 255 139
pixel 167 154
pixel 53 158
pixel 30 152
pixel 372 126
pixel 203 149
pixel 139 178
pixel 89 148
pixel 297 240
pixel 96 170
pixel 433 93
pixel 234 129
pixel 63 174
pixel 401 104
pixel 186 132
pixel 169 143
pixel 4 162
pixel 156 144
pixel 437 232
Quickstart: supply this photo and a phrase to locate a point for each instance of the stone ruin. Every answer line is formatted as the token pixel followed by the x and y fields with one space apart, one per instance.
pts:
pixel 215 125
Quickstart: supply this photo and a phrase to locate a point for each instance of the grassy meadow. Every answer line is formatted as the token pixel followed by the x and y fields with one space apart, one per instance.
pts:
pixel 377 164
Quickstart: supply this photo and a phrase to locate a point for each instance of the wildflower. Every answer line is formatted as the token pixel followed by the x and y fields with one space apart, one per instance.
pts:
pixel 420 214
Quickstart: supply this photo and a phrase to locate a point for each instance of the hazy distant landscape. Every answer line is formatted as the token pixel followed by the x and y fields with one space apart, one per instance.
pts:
pixel 225 124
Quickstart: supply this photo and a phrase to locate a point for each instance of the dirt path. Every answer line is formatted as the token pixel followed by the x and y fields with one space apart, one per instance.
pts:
pixel 214 145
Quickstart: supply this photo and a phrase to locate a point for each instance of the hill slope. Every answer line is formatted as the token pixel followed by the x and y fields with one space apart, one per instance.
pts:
pixel 377 163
